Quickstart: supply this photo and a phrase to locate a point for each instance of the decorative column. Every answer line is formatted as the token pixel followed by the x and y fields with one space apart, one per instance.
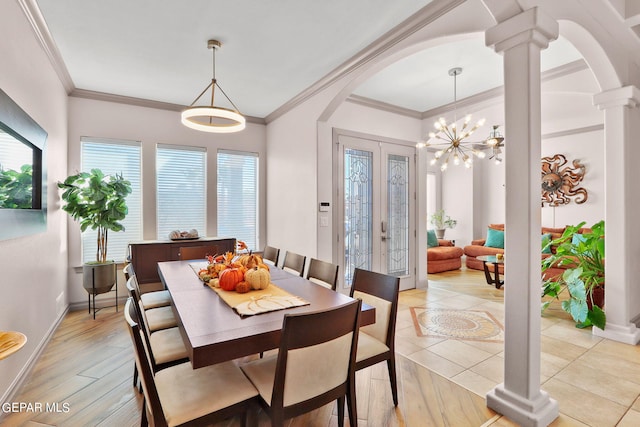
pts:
pixel 620 110
pixel 521 38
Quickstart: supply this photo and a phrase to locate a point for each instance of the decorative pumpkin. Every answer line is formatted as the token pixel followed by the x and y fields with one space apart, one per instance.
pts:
pixel 250 261
pixel 214 283
pixel 258 278
pixel 229 278
pixel 263 266
pixel 243 287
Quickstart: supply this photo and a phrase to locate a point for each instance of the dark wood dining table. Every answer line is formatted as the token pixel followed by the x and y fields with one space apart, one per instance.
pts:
pixel 213 332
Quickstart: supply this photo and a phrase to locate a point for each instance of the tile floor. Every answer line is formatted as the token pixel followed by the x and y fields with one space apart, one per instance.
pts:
pixel 595 381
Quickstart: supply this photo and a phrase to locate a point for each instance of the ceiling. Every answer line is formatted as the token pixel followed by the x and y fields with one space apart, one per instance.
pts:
pixel 272 50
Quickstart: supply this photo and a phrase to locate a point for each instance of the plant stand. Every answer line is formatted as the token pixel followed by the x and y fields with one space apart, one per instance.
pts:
pixel 92 295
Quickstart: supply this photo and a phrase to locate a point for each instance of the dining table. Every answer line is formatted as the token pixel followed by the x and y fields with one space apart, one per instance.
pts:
pixel 213 332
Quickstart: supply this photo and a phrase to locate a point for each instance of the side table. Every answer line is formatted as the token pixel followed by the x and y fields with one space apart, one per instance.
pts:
pixel 495 279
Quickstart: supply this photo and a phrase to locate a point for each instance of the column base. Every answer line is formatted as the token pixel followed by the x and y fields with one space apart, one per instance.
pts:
pixel 629 334
pixel 527 413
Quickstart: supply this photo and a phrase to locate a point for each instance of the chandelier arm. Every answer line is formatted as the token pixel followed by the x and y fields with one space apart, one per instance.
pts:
pixel 201 93
pixel 228 99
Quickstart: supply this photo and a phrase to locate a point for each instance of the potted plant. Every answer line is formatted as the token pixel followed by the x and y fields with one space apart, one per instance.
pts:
pixel 97 201
pixel 441 222
pixel 583 254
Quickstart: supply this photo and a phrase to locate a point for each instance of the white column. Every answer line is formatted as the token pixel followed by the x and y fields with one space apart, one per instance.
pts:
pixel 618 105
pixel 520 39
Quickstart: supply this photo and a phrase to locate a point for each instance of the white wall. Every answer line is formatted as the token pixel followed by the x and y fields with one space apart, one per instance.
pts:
pixel 33 267
pixel 151 126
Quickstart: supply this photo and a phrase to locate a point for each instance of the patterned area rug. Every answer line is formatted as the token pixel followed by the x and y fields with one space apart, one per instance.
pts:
pixel 472 325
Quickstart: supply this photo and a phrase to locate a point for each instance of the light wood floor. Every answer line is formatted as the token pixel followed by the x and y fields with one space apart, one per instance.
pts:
pixel 88 365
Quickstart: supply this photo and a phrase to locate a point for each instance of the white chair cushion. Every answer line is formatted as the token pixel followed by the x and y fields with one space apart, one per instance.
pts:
pixel 368 347
pixel 160 318
pixel 330 362
pixel 167 345
pixel 291 270
pixel 320 282
pixel 379 329
pixel 155 299
pixel 187 393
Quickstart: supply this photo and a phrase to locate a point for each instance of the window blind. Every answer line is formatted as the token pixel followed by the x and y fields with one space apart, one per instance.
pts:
pixel 115 157
pixel 238 196
pixel 181 189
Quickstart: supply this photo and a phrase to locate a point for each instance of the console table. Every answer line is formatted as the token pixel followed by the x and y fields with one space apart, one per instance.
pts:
pixel 145 255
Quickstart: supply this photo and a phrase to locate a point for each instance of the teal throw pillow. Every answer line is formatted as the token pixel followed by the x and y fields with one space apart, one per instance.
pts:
pixel 546 238
pixel 495 238
pixel 432 240
pixel 577 238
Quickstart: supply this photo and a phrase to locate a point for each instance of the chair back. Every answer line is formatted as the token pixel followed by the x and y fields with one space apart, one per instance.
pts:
pixel 381 291
pixel 271 254
pixel 134 295
pixel 128 271
pixel 323 273
pixel 197 252
pixel 144 367
pixel 294 263
pixel 316 359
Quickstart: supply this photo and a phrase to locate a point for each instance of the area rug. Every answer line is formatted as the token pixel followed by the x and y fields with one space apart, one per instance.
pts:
pixel 471 325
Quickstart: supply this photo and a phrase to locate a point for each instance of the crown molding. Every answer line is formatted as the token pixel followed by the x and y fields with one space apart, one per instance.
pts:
pixel 575 131
pixel 41 31
pixel 414 23
pixel 140 102
pixel 379 105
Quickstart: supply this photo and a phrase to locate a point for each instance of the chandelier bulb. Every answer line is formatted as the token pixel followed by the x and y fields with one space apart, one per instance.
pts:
pixel 443 167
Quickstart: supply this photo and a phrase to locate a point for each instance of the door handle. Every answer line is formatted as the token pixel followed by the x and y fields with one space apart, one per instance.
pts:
pixel 383 226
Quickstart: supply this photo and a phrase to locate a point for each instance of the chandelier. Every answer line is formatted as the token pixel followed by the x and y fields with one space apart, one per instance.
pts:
pixel 211 118
pixel 453 147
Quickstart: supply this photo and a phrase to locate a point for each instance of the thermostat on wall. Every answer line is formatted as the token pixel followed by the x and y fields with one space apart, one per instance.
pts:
pixel 324 206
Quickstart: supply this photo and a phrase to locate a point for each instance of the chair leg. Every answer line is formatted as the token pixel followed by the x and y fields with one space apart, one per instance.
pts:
pixel 391 364
pixel 341 411
pixel 351 403
pixel 143 420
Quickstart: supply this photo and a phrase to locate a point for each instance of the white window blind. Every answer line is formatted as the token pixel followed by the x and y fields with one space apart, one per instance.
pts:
pixel 181 189
pixel 115 157
pixel 238 196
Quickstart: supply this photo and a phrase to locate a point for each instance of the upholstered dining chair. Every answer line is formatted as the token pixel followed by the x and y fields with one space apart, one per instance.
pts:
pixel 323 273
pixel 315 365
pixel 165 347
pixel 181 395
pixel 197 252
pixel 376 341
pixel 294 263
pixel 151 299
pixel 271 255
pixel 156 318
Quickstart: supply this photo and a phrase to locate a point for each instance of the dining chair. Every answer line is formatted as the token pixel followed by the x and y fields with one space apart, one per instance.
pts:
pixel 323 273
pixel 271 255
pixel 315 365
pixel 376 341
pixel 156 318
pixel 166 347
pixel 151 299
pixel 197 252
pixel 294 263
pixel 181 395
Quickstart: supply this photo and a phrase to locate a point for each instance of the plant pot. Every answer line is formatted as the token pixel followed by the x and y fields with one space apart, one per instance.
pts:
pixel 98 278
pixel 440 233
pixel 598 298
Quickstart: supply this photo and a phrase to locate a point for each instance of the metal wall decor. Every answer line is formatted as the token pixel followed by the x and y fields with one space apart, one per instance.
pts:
pixel 560 183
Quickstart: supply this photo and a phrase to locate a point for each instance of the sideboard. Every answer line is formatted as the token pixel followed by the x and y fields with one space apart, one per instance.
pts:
pixel 145 255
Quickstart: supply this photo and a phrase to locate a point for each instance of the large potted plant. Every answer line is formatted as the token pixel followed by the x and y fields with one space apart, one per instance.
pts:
pixel 98 202
pixel 582 254
pixel 441 222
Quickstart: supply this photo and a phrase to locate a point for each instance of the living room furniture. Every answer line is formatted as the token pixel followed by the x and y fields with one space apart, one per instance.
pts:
pixel 214 332
pixel 145 255
pixel 492 279
pixel 444 257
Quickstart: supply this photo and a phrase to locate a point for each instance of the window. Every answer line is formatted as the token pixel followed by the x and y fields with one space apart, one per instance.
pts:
pixel 238 196
pixel 115 157
pixel 181 187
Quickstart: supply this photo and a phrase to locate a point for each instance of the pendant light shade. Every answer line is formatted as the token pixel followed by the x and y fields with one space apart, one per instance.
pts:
pixel 210 118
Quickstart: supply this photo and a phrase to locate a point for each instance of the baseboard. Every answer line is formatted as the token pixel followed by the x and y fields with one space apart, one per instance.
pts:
pixel 28 367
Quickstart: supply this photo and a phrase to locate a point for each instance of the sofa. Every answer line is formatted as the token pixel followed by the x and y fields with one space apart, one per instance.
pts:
pixel 444 257
pixel 478 247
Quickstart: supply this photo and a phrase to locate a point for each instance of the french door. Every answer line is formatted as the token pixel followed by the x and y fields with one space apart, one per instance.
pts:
pixel 376 208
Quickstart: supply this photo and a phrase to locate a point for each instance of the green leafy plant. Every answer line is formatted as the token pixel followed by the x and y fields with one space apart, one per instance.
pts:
pixel 584 257
pixel 16 188
pixel 440 220
pixel 98 202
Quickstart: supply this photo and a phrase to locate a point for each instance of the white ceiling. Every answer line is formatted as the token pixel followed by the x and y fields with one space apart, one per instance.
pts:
pixel 272 50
